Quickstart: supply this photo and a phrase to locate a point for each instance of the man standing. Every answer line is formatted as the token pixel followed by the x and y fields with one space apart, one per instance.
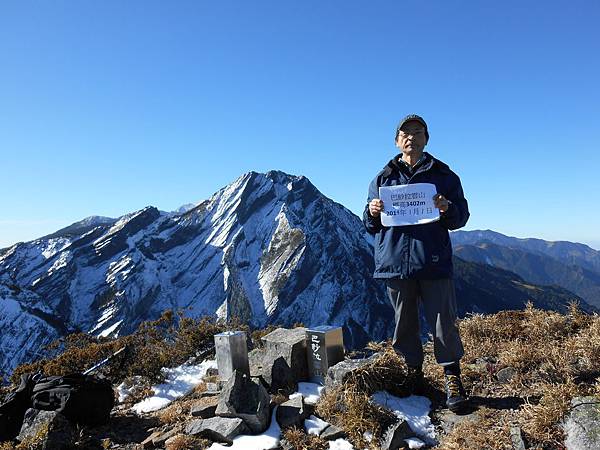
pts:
pixel 416 260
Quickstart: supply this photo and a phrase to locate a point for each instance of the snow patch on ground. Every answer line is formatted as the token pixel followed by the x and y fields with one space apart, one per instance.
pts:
pixel 60 262
pixel 127 387
pixel 414 443
pixel 107 314
pixel 54 246
pixel 314 425
pixel 178 382
pixel 414 409
pixel 340 444
pixel 267 440
pixel 110 330
pixel 311 392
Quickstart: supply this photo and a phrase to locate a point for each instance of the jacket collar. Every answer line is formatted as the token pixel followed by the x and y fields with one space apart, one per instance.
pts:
pixel 397 166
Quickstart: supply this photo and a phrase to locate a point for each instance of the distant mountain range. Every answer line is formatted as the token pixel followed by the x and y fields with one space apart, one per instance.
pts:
pixel 268 248
pixel 572 266
pixel 568 252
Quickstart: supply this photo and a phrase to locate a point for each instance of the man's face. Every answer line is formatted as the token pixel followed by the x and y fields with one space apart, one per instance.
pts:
pixel 411 139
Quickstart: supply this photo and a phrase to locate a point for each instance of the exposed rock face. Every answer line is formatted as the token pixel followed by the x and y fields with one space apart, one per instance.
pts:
pixel 51 428
pixel 292 413
pixel 582 427
pixel 243 398
pixel 218 429
pixel 337 374
pixel 284 361
pixel 268 248
pixel 393 438
pixel 205 408
pixel 331 433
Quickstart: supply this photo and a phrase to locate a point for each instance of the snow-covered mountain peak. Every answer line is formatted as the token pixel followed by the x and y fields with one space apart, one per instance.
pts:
pixel 94 220
pixel 267 248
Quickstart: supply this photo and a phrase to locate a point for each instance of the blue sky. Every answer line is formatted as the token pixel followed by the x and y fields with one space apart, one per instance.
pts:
pixel 106 107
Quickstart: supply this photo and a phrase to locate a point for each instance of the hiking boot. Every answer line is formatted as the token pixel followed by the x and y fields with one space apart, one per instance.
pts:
pixel 415 380
pixel 456 398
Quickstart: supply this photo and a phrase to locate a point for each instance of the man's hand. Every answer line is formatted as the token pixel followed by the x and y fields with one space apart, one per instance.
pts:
pixel 375 207
pixel 440 202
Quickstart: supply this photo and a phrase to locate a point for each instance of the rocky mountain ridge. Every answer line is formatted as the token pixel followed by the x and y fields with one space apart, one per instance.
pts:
pixel 571 253
pixel 268 248
pixel 536 268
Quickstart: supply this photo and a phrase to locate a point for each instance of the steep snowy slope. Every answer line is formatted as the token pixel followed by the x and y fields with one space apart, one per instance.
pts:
pixel 268 248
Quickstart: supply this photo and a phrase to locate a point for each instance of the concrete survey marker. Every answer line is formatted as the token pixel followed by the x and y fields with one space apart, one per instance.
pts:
pixel 232 353
pixel 325 348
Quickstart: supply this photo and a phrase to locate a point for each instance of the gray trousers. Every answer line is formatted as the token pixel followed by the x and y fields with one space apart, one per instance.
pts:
pixel 439 302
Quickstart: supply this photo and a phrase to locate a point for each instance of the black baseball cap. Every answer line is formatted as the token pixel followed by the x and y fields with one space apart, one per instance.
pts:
pixel 416 118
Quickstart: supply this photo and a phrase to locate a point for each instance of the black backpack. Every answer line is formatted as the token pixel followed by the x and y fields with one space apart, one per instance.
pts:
pixel 12 411
pixel 84 399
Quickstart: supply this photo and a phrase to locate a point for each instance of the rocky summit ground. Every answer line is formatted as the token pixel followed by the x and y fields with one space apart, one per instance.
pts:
pixel 532 377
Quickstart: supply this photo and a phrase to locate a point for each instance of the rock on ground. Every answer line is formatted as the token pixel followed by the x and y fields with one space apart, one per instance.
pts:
pixel 51 427
pixel 217 429
pixel 393 438
pixel 292 413
pixel 284 360
pixel 338 373
pixel 205 407
pixel 582 426
pixel 243 398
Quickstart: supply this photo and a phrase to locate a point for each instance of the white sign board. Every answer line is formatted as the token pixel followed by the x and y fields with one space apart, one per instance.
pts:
pixel 408 204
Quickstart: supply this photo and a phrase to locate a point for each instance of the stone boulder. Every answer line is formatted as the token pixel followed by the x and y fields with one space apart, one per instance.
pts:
pixel 516 438
pixel 338 373
pixel 284 360
pixel 255 361
pixel 243 398
pixel 506 374
pixel 217 429
pixel 51 430
pixel 393 438
pixel 212 389
pixel 331 433
pixel 159 437
pixel 292 413
pixel 582 426
pixel 205 407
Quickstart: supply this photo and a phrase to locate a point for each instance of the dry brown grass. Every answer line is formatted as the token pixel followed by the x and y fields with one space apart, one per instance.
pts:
pixel 176 412
pixel 349 405
pixel 352 410
pixel 166 342
pixel 200 388
pixel 542 420
pixel 556 356
pixel 385 372
pixel 300 440
pixel 211 379
pixel 35 442
pixel 184 442
pixel 488 431
pixel 278 399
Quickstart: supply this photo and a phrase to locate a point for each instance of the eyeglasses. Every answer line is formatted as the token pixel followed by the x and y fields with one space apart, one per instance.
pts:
pixel 412 132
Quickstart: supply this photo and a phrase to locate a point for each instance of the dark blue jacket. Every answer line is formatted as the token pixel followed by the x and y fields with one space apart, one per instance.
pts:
pixel 417 251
